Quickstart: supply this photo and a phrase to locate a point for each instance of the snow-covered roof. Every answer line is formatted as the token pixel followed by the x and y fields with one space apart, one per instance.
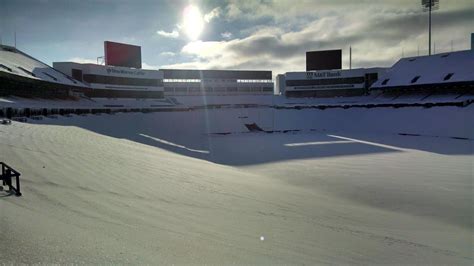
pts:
pixel 442 68
pixel 15 62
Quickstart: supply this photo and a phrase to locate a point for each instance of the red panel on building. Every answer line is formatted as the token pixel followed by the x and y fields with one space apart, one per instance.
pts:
pixel 124 55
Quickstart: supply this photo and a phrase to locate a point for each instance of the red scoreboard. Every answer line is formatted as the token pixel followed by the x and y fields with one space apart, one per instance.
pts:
pixel 124 55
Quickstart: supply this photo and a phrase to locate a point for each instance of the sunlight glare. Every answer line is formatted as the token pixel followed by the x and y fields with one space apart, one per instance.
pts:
pixel 193 22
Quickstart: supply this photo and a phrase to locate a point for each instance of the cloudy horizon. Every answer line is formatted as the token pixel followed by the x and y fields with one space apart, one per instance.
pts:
pixel 258 35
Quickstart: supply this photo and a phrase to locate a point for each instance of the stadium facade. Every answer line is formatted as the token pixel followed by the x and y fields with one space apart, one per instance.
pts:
pixel 115 82
pixel 185 82
pixel 328 83
pixel 121 77
pixel 22 75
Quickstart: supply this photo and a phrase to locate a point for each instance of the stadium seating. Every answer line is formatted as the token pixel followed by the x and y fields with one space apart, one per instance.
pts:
pixel 13 61
pixel 453 70
pixel 23 75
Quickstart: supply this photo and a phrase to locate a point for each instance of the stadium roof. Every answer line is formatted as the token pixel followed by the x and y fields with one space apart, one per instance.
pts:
pixel 15 62
pixel 443 69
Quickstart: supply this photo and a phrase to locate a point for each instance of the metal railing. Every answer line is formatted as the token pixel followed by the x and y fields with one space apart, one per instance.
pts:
pixel 7 176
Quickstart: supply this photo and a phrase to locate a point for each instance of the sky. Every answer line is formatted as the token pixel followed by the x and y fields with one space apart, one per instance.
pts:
pixel 235 34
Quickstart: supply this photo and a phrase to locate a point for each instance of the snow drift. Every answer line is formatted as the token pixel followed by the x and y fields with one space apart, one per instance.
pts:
pixel 161 188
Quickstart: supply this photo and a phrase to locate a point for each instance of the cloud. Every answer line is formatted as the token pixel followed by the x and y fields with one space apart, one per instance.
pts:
pixel 81 60
pixel 284 10
pixel 174 34
pixel 378 35
pixel 167 54
pixel 215 13
pixel 226 35
pixel 266 34
pixel 147 66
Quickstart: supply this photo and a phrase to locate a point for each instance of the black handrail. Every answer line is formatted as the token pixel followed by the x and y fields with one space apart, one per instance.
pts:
pixel 6 176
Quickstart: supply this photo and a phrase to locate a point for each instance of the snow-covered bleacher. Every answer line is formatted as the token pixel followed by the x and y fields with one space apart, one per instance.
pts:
pixel 281 101
pixel 15 62
pixel 453 70
pixel 25 76
pixel 441 78
pixel 84 103
pixel 224 100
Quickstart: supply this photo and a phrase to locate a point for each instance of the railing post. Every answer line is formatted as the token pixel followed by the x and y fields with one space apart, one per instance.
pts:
pixel 3 174
pixel 8 178
pixel 18 193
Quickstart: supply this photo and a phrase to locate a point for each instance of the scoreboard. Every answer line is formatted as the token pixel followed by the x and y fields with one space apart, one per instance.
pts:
pixel 123 55
pixel 324 60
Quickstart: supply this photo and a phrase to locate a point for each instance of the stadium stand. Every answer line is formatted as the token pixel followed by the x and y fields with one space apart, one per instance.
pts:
pixel 442 79
pixel 23 75
pixel 20 102
pixel 429 76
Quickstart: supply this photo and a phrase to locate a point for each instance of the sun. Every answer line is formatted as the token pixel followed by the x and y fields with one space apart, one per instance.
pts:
pixel 193 22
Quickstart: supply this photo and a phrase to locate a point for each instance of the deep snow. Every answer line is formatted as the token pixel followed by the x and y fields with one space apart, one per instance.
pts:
pixel 161 188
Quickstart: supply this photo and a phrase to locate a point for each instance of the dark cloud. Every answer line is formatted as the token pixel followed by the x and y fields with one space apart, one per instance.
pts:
pixel 383 31
pixel 379 39
pixel 407 26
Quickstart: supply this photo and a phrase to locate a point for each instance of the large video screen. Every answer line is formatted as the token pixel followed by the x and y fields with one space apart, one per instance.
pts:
pixel 324 60
pixel 124 55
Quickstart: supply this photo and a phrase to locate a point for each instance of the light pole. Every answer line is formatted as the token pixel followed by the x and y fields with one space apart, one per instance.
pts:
pixel 429 5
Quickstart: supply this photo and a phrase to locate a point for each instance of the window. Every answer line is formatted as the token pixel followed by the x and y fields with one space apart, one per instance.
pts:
pixel 254 81
pixel 309 82
pixel 385 81
pixel 26 71
pixel 415 79
pixel 448 77
pixel 5 67
pixel 182 80
pixel 114 80
pixel 76 74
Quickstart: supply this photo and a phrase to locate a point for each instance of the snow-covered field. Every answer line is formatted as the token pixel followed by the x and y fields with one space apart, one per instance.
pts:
pixel 161 188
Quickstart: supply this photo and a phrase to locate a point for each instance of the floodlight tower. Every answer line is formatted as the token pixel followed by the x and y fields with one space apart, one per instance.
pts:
pixel 429 5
